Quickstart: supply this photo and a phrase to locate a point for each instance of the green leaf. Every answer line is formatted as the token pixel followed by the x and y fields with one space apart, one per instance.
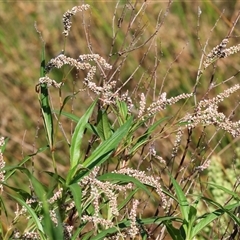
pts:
pixel 121 178
pixel 122 113
pixel 42 67
pixel 25 195
pixel 46 114
pixel 3 208
pixel 192 215
pixel 31 213
pixel 234 194
pixel 11 170
pixel 103 126
pixel 87 236
pixel 182 200
pixel 184 208
pixel 207 218
pixel 144 235
pixel 158 220
pixel 127 199
pixel 234 217
pixel 44 103
pixel 103 151
pixel 173 232
pixel 77 137
pixel 66 99
pixel 53 232
pixel 38 189
pixel 56 177
pixel 68 115
pixel 126 223
pixel 77 196
pixel 2 148
pixel 144 138
pixel 76 234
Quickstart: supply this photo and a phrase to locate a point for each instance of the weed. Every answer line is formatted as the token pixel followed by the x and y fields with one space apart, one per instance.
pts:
pixel 138 162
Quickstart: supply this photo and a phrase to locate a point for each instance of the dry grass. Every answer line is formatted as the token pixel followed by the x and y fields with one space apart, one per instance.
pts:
pixel 176 47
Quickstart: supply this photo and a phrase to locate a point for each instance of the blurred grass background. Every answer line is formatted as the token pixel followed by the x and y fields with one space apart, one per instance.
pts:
pixel 20 49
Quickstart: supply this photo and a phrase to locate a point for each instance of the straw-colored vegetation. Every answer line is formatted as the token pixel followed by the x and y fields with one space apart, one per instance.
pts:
pixel 119 120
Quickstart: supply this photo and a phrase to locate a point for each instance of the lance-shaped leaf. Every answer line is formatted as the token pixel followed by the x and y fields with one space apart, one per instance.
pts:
pixel 102 152
pixel 78 137
pixel 103 126
pixel 44 103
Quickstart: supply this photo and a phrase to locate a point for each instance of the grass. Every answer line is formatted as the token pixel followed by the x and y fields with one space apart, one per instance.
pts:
pixel 93 166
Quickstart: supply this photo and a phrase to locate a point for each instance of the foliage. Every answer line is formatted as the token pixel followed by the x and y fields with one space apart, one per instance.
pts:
pixel 135 163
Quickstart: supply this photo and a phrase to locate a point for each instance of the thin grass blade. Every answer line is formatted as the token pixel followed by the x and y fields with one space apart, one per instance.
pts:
pixel 44 103
pixel 144 138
